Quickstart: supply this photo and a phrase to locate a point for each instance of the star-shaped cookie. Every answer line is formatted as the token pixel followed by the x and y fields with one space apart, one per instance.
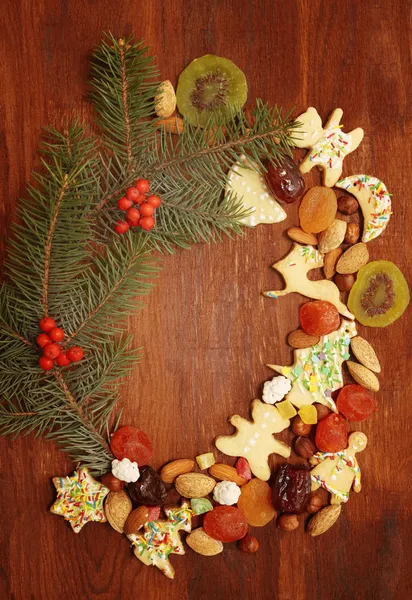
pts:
pixel 79 499
pixel 328 146
pixel 161 538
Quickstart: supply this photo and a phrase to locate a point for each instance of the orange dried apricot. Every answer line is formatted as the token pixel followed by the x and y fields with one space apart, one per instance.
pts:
pixel 256 502
pixel 317 209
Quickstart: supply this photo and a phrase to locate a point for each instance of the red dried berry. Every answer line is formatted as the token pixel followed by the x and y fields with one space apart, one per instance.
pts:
pixel 355 402
pixel 132 194
pixel 62 360
pixel 47 323
pixel 331 434
pixel 291 489
pixel 146 210
pixel 75 354
pixel 225 523
pixel 42 340
pixel 154 513
pixel 56 334
pixel 121 227
pixel 132 443
pixel 147 223
pixel 319 317
pixel 243 468
pixel 154 201
pixel 133 215
pixel 51 350
pixel 143 186
pixel 46 363
pixel 124 203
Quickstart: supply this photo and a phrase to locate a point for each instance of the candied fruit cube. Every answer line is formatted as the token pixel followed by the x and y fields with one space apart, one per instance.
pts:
pixel 308 414
pixel 205 460
pixel 286 409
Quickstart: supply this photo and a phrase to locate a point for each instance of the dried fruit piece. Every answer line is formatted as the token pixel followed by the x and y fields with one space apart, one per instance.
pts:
pixel 154 513
pixel 201 505
pixel 225 523
pixel 298 235
pixel 194 485
pixel 286 409
pixel 256 502
pixel 365 354
pixel 301 339
pixel 206 460
pixel 363 376
pixel 199 541
pixel 308 414
pixel 117 508
pixel 344 282
pixel 355 402
pixel 332 237
pixel 291 489
pixel 149 490
pixel 226 473
pixel 288 522
pixel 176 468
pixel 352 233
pixel 319 317
pixel 285 180
pixel 324 520
pixel 317 209
pixel 132 443
pixel 210 86
pixel 136 519
pixel 249 544
pixel 243 469
pixel 380 294
pixel 353 259
pixel 347 205
pixel 165 101
pixel 304 447
pixel 331 434
pixel 329 262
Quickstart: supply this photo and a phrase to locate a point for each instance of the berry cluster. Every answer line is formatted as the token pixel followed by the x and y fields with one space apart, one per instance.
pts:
pixel 137 217
pixel 53 353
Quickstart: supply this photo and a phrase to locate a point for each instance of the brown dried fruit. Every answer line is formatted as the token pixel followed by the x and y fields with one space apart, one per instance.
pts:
pixel 301 237
pixel 329 262
pixel 363 376
pixel 352 233
pixel 149 489
pixel 344 282
pixel 300 428
pixel 194 485
pixel 347 205
pixel 226 473
pixel 353 259
pixel 288 522
pixel 304 447
pixel 111 482
pixel 324 519
pixel 317 209
pixel 365 354
pixel 301 339
pixel 249 544
pixel 117 508
pixel 321 410
pixel 315 504
pixel 332 237
pixel 176 468
pixel 135 521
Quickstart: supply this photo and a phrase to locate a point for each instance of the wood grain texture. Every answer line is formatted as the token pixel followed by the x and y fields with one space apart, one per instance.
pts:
pixel 206 329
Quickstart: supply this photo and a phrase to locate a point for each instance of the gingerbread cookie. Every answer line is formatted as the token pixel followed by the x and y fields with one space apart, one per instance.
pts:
pixel 374 200
pixel 338 472
pixel 294 269
pixel 254 439
pixel 317 371
pixel 328 146
pixel 249 185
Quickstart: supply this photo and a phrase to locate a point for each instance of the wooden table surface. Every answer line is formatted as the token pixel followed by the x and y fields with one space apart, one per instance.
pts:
pixel 206 329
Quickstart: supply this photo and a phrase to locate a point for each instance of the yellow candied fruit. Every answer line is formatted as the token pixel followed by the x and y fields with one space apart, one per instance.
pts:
pixel 308 414
pixel 286 409
pixel 205 460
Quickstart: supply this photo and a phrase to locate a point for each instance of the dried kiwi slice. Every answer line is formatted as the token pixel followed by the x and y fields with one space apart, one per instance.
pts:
pixel 380 294
pixel 210 85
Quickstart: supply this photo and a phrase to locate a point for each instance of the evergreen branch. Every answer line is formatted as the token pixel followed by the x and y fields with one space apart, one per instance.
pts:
pixel 125 100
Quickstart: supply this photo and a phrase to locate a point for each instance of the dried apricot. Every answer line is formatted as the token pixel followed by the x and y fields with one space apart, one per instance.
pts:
pixel 317 210
pixel 132 443
pixel 225 523
pixel 355 402
pixel 331 434
pixel 319 317
pixel 256 502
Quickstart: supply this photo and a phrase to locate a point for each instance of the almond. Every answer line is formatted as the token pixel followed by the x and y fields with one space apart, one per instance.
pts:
pixel 226 473
pixel 136 519
pixel 176 468
pixel 329 262
pixel 332 237
pixel 353 259
pixel 301 339
pixel 363 376
pixel 365 354
pixel 117 508
pixel 301 237
pixel 194 485
pixel 203 544
pixel 324 519
pixel 165 101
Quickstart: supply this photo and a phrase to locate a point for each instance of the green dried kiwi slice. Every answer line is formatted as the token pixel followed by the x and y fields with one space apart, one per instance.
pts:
pixel 210 86
pixel 380 294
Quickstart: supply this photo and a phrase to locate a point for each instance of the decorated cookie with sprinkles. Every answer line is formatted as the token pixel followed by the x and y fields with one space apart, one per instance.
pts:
pixel 249 186
pixel 339 472
pixel 254 439
pixel 374 200
pixel 317 371
pixel 328 146
pixel 79 499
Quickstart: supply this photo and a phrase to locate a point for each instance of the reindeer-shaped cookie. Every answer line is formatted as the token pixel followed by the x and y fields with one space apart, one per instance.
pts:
pixel 294 269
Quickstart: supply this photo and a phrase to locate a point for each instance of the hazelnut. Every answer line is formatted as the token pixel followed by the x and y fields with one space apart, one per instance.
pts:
pixel 315 504
pixel 352 233
pixel 347 205
pixel 249 544
pixel 344 282
pixel 288 522
pixel 300 428
pixel 322 411
pixel 111 482
pixel 304 447
pixel 355 218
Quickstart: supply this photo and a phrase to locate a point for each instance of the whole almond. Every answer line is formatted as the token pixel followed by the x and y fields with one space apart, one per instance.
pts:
pixel 324 519
pixel 165 101
pixel 226 473
pixel 365 354
pixel 332 237
pixel 136 519
pixel 176 468
pixel 203 544
pixel 301 339
pixel 363 376
pixel 194 485
pixel 352 233
pixel 117 508
pixel 353 259
pixel 301 237
pixel 329 262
